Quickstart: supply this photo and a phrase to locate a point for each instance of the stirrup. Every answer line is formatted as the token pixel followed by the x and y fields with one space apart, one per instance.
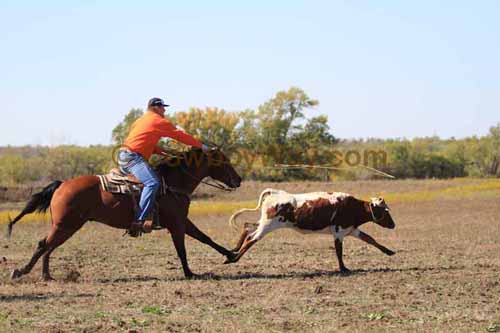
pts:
pixel 132 233
pixel 135 230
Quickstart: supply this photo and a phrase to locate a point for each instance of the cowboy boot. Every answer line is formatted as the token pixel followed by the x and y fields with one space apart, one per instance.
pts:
pixel 135 229
pixel 147 226
pixel 156 217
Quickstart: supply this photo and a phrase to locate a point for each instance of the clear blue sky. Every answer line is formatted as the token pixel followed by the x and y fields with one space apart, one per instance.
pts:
pixel 69 72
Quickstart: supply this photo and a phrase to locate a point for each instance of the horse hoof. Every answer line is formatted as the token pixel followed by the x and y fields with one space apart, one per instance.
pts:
pixel 230 258
pixel 16 274
pixel 192 276
pixel 390 252
pixel 47 278
pixel 230 261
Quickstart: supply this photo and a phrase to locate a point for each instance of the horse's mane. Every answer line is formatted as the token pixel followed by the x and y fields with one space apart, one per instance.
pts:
pixel 176 160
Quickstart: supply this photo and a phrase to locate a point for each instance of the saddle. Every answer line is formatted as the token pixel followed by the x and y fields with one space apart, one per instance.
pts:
pixel 117 182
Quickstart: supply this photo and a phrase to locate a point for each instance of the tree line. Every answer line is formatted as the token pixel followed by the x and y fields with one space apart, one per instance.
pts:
pixel 282 131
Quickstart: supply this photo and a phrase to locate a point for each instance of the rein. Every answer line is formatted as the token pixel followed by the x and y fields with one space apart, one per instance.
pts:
pixel 215 184
pixel 173 189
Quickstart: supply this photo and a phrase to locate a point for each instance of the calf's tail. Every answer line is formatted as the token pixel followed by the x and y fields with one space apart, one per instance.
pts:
pixel 266 192
pixel 38 202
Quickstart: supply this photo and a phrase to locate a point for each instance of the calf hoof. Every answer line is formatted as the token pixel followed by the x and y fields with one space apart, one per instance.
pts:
pixel 16 274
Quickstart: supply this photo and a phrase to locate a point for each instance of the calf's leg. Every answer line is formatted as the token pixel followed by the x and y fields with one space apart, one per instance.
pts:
pixel 368 239
pixel 338 251
pixel 247 241
pixel 263 229
pixel 243 236
pixel 244 233
pixel 339 233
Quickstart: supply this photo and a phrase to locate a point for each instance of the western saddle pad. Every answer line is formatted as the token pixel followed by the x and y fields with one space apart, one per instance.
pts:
pixel 116 182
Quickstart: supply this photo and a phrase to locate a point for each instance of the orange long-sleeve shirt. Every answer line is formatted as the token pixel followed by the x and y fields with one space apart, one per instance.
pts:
pixel 146 131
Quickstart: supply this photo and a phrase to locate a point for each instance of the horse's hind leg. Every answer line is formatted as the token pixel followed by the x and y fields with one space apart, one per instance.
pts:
pixel 45 268
pixel 56 238
pixel 40 250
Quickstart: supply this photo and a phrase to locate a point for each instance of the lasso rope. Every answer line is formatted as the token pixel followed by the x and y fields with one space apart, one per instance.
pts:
pixel 329 167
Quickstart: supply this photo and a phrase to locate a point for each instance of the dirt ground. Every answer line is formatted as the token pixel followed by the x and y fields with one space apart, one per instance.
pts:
pixel 444 277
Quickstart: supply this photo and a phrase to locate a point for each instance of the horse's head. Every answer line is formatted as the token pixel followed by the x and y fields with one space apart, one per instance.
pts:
pixel 380 213
pixel 221 169
pixel 191 167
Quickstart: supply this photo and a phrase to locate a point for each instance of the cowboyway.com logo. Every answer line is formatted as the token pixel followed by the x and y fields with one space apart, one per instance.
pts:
pixel 248 159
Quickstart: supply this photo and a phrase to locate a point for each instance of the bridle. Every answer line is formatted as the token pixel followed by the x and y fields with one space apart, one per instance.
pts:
pixel 214 182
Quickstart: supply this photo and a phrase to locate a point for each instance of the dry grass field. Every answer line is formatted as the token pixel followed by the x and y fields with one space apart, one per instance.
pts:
pixel 444 277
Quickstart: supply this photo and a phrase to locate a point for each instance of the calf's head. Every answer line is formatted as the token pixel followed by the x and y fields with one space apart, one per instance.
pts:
pixel 380 213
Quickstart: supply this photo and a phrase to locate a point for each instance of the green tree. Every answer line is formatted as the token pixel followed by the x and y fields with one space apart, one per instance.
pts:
pixel 209 124
pixel 121 130
pixel 15 170
pixel 277 116
pixel 494 148
pixel 312 144
pixel 65 162
pixel 247 132
pixel 484 154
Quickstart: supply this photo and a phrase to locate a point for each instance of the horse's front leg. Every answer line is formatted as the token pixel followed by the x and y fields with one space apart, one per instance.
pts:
pixel 178 230
pixel 199 235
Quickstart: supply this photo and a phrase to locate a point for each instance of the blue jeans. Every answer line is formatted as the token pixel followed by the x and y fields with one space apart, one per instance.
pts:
pixel 134 163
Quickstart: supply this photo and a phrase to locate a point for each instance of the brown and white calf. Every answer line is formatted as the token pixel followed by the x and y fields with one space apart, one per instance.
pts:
pixel 337 213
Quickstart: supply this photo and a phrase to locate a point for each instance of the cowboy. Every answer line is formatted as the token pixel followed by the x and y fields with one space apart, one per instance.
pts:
pixel 140 144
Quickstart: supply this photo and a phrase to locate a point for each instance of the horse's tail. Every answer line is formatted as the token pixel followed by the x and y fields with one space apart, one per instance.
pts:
pixel 38 202
pixel 266 192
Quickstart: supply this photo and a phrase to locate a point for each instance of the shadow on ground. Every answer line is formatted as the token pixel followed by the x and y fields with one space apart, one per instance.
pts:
pixel 39 297
pixel 291 275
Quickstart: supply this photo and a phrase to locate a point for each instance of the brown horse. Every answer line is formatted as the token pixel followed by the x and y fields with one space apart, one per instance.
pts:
pixel 74 202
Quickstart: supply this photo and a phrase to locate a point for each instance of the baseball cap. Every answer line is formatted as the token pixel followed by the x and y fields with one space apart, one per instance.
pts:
pixel 155 101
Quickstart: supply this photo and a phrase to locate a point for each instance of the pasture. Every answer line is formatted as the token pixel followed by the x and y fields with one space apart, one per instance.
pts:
pixel 444 276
